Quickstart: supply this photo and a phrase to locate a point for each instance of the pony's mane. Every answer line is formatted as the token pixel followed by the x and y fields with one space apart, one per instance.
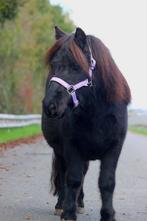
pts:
pixel 114 83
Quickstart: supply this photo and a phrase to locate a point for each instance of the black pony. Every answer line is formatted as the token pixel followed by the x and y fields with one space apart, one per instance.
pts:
pixel 84 118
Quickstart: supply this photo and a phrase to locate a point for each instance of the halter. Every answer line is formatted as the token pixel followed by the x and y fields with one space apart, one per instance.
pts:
pixel 71 89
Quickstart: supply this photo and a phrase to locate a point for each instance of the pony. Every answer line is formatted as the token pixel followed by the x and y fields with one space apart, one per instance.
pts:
pixel 84 118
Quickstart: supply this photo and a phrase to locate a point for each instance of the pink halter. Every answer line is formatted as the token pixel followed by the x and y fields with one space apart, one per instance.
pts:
pixel 71 89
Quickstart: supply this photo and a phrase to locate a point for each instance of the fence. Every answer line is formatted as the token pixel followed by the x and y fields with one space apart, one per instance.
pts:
pixel 138 119
pixel 9 120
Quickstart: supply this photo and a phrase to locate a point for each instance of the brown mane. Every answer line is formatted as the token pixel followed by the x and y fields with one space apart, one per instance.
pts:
pixel 115 85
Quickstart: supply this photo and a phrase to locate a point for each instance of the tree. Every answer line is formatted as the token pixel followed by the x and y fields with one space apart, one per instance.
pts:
pixel 9 9
pixel 24 42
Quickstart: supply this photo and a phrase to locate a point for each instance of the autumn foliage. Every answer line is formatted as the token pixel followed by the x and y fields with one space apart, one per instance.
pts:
pixel 23 43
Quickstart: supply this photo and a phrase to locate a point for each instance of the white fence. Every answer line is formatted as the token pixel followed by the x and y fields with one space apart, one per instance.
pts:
pixel 9 120
pixel 138 119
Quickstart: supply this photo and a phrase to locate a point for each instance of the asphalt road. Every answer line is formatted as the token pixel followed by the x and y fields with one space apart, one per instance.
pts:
pixel 24 184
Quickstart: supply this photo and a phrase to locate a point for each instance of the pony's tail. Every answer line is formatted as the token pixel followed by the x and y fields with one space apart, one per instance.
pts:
pixel 55 175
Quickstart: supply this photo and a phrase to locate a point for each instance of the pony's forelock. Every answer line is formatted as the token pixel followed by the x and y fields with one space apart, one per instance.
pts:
pixel 77 53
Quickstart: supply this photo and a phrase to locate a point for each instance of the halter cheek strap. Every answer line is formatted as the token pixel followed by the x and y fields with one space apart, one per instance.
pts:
pixel 71 89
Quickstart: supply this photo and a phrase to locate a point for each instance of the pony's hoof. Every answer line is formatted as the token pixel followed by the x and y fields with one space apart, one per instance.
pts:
pixel 58 212
pixel 80 210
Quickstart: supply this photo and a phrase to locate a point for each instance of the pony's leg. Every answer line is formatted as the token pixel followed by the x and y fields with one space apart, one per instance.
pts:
pixel 58 177
pixel 61 194
pixel 80 201
pixel 107 183
pixel 74 178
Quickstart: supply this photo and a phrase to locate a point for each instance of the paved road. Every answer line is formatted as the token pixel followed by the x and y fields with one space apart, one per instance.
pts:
pixel 24 184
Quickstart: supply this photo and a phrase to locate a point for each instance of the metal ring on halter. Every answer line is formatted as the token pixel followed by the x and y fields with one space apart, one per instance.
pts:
pixel 90 84
pixel 93 63
pixel 71 89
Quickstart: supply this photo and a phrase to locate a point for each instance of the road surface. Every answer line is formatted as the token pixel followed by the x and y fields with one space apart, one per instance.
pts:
pixel 24 184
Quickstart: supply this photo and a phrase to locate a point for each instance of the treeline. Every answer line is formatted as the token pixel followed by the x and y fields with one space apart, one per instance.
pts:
pixel 24 39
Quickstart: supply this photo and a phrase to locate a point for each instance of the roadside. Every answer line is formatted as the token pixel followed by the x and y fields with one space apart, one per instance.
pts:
pixel 139 129
pixel 10 137
pixel 17 129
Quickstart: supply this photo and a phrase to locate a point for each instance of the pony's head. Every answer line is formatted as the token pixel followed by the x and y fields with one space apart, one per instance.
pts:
pixel 69 60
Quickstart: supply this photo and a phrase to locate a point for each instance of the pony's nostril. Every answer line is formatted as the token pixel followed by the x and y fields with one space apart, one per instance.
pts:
pixel 49 108
pixel 52 109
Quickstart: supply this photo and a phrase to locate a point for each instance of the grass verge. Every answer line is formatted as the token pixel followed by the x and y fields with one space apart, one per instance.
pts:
pixel 12 134
pixel 139 129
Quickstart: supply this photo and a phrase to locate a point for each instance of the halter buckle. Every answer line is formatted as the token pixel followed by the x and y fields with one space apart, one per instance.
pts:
pixel 71 89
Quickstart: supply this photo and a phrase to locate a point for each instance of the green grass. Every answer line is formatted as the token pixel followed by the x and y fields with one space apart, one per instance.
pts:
pixel 139 129
pixel 11 134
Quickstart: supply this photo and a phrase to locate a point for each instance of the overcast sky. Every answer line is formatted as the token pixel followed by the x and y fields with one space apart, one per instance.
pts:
pixel 122 26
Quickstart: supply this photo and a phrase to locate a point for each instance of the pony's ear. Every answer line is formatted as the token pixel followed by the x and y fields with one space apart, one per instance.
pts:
pixel 80 38
pixel 58 33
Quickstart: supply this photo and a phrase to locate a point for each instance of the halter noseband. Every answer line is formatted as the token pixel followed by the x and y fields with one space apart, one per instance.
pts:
pixel 71 89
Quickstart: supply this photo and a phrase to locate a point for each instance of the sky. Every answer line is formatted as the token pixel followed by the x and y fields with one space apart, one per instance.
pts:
pixel 122 26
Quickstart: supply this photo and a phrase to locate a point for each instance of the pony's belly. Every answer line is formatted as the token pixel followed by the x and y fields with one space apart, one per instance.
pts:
pixel 94 149
pixel 107 133
pixel 91 151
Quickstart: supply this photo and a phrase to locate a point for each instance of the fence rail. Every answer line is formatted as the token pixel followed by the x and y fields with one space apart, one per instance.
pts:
pixel 138 120
pixel 11 120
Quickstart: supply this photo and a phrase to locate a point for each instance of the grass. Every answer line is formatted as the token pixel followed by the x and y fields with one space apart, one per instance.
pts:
pixel 12 134
pixel 139 129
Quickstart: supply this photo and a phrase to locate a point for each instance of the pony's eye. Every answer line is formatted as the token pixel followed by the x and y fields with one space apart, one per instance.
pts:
pixel 75 67
pixel 54 63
